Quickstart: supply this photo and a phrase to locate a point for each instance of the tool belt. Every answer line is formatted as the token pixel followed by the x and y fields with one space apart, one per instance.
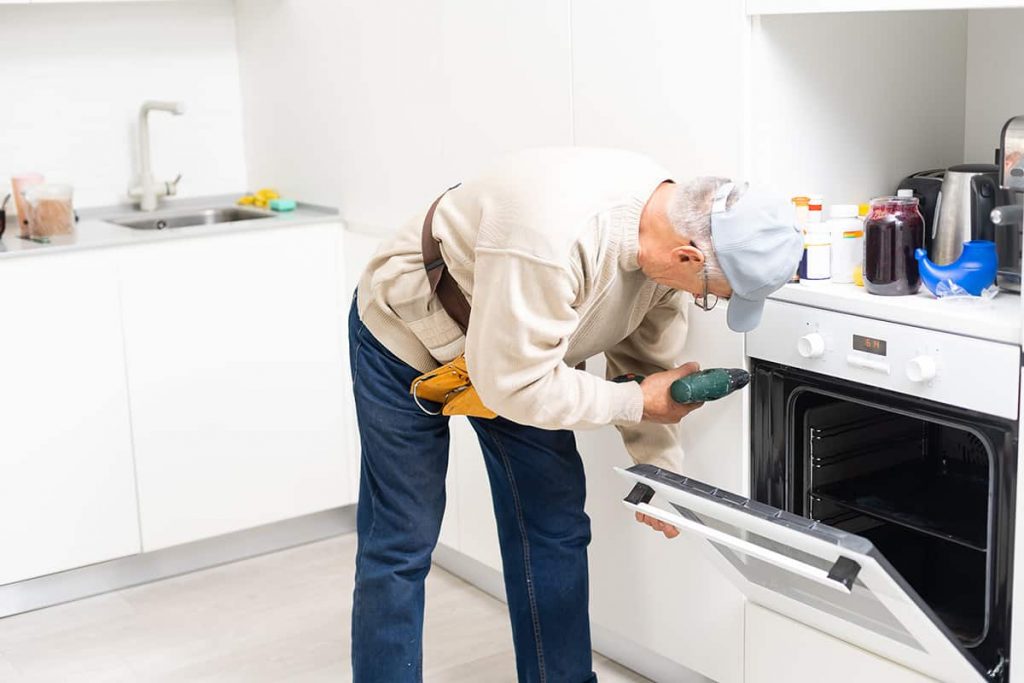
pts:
pixel 449 384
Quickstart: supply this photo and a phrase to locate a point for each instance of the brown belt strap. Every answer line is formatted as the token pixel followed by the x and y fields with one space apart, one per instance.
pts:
pixel 441 281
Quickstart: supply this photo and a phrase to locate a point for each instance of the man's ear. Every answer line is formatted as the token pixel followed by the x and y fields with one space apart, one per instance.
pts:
pixel 688 254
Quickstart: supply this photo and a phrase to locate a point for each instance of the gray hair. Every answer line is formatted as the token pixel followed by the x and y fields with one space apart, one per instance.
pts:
pixel 690 214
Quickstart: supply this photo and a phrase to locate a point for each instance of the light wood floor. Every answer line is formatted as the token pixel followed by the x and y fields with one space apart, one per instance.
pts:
pixel 280 617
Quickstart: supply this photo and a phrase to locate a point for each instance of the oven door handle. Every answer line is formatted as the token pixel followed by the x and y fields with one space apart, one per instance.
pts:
pixel 840 577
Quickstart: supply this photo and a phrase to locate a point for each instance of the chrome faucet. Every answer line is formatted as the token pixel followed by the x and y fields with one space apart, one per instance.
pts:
pixel 148 191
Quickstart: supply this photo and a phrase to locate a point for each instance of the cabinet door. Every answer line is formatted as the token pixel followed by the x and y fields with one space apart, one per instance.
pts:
pixel 662 594
pixel 235 367
pixel 469 498
pixel 356 249
pixel 780 649
pixel 67 492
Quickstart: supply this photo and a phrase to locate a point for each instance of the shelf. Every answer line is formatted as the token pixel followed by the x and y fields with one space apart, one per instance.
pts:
pixel 931 567
pixel 766 7
pixel 953 507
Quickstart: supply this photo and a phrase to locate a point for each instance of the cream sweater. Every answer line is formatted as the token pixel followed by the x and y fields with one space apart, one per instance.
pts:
pixel 544 245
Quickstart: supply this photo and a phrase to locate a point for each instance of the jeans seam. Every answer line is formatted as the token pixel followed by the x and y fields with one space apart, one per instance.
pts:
pixel 355 354
pixel 531 595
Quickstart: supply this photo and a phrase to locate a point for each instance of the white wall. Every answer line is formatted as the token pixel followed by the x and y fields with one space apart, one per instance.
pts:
pixel 662 77
pixel 401 98
pixel 75 74
pixel 995 82
pixel 852 127
pixel 398 99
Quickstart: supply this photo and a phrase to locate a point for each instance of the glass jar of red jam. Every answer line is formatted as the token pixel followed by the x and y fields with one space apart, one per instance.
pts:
pixel 893 230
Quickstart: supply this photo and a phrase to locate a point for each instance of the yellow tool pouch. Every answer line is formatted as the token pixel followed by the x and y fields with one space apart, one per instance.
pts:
pixel 450 386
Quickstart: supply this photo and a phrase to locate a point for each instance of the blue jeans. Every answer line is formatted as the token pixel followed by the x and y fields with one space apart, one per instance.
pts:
pixel 538 489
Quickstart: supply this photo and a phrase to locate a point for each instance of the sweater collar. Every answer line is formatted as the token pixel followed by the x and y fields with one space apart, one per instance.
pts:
pixel 627 221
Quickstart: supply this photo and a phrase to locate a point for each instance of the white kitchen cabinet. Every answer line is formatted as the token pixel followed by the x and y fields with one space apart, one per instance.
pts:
pixel 355 249
pixel 235 368
pixel 661 594
pixel 470 497
pixel 67 491
pixel 780 649
pixel 640 581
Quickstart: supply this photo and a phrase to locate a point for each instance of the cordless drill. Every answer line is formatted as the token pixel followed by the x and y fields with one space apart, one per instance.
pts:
pixel 706 385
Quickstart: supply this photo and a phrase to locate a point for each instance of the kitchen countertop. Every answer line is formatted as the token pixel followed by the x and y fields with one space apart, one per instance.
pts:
pixel 93 231
pixel 997 320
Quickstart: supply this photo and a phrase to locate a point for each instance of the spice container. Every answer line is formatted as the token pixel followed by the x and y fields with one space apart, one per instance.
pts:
pixel 49 210
pixel 893 231
pixel 816 263
pixel 847 234
pixel 19 185
pixel 802 207
pixel 815 206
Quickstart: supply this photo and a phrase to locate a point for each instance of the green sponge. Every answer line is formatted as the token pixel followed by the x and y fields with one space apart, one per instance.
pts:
pixel 282 204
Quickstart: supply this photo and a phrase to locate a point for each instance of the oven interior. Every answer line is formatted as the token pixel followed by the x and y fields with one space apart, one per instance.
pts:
pixel 918 489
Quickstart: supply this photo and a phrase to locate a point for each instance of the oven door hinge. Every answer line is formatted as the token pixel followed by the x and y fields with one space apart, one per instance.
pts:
pixel 641 493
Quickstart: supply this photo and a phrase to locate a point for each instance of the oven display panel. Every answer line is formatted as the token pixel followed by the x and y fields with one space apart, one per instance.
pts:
pixel 869 345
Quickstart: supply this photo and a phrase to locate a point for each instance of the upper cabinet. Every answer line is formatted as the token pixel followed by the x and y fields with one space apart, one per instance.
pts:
pixel 839 6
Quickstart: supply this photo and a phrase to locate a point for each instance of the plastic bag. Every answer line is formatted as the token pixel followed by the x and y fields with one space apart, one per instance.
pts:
pixel 953 294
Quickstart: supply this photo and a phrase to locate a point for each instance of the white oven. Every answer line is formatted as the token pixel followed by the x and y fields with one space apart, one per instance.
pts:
pixel 883 483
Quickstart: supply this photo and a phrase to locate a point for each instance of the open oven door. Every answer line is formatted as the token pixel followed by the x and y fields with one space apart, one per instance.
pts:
pixel 831 580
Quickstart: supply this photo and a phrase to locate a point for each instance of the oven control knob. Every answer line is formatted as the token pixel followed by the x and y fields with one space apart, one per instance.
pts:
pixel 811 345
pixel 921 369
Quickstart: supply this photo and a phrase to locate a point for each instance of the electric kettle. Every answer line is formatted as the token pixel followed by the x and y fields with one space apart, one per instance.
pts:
pixel 963 209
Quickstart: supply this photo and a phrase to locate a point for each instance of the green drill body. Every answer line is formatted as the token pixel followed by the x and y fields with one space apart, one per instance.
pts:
pixel 706 385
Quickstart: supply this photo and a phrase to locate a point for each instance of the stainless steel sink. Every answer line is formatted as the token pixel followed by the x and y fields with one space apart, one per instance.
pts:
pixel 186 218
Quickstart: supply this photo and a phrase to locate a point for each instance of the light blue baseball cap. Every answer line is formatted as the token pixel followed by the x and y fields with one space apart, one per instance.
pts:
pixel 758 246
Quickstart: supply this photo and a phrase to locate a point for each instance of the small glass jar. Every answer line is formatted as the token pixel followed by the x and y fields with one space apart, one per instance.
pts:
pixel 50 210
pixel 893 230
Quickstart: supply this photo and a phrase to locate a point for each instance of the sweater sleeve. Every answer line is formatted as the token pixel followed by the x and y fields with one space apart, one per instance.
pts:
pixel 655 345
pixel 522 319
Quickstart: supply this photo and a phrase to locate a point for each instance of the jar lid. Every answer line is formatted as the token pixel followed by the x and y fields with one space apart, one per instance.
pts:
pixel 801 200
pixel 894 201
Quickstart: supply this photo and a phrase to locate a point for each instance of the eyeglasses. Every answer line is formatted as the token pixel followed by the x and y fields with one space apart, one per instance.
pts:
pixel 707 300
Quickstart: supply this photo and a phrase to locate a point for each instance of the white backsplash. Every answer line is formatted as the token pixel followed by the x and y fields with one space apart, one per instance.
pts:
pixel 74 76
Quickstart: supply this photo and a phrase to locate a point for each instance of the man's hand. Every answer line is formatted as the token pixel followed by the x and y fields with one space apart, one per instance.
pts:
pixel 658 404
pixel 658 525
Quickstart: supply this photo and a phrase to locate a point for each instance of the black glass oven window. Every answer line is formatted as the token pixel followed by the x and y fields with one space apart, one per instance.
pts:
pixel 918 490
